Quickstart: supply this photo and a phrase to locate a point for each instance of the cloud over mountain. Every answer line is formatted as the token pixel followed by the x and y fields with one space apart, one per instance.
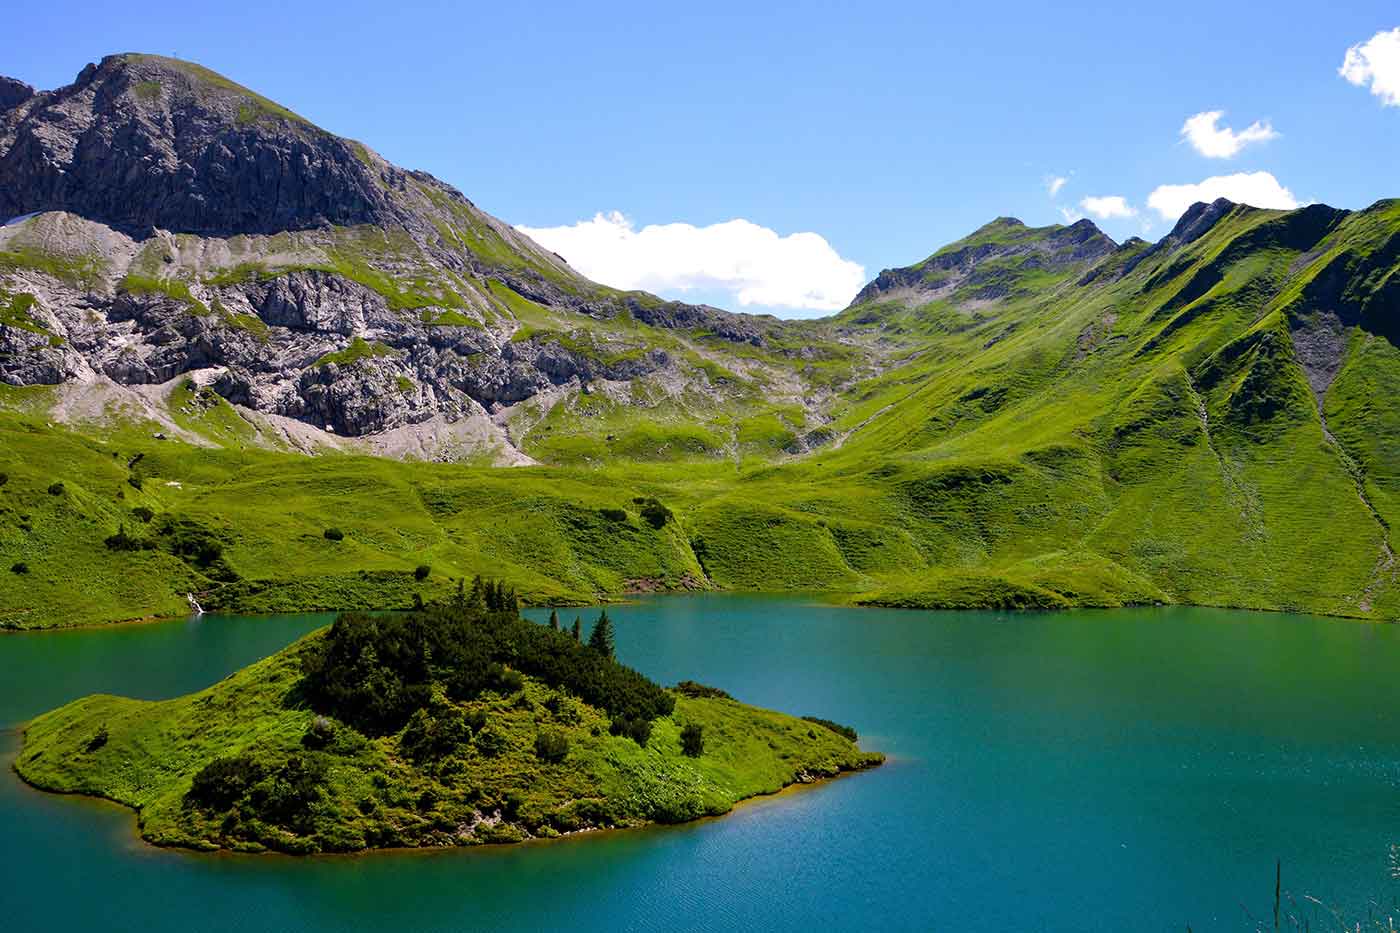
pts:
pixel 753 264
pixel 1259 189
pixel 1107 207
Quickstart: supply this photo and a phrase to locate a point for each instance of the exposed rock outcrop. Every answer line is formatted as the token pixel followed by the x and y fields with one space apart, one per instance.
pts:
pixel 164 219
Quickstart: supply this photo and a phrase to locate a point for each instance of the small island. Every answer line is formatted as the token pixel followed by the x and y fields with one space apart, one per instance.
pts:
pixel 456 724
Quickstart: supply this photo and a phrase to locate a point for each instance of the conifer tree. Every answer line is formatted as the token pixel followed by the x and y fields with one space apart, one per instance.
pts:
pixel 601 640
pixel 578 629
pixel 477 599
pixel 554 619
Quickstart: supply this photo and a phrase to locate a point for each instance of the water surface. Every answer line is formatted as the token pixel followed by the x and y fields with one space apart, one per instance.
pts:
pixel 1076 771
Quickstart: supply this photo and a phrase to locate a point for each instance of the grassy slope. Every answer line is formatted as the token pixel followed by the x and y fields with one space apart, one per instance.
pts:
pixel 376 796
pixel 1149 437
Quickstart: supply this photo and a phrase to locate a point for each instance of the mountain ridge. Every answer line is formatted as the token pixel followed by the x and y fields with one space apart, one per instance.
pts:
pixel 209 228
pixel 1026 418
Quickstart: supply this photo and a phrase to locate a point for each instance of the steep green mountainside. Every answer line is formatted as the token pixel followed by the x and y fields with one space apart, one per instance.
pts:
pixel 1028 417
pixel 436 729
pixel 1207 414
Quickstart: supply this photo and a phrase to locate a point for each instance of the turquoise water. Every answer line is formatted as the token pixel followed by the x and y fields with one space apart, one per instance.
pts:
pixel 1134 769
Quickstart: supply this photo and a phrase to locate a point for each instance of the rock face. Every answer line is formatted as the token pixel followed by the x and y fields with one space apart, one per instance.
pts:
pixel 140 142
pixel 307 344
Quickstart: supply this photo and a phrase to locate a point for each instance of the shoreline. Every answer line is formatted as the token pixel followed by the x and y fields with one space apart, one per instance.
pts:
pixel 143 844
pixel 828 598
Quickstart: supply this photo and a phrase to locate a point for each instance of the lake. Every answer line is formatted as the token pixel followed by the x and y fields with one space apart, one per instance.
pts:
pixel 1088 770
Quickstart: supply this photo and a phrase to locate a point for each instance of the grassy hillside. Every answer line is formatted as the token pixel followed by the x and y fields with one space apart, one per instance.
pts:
pixel 263 759
pixel 1031 417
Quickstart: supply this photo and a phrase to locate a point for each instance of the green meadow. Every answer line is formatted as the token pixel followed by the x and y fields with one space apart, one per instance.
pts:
pixel 1161 430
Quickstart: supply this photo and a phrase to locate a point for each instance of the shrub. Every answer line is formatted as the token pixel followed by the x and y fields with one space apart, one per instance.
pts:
pixel 845 732
pixel 121 541
pixel 433 734
pixel 420 573
pixel 551 746
pixel 655 514
pixel 4 478
pixel 319 734
pixel 697 691
pixel 491 743
pixel 333 534
pixel 143 514
pixel 193 542
pixel 286 796
pixel 562 709
pixel 134 481
pixel 223 782
pixel 98 740
pixel 613 515
pixel 56 489
pixel 638 730
pixel 19 567
pixel 693 740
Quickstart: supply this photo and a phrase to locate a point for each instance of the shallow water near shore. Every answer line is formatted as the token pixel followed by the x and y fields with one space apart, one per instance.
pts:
pixel 1062 772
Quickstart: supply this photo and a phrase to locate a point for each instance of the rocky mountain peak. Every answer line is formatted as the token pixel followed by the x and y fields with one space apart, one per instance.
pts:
pixel 140 142
pixel 13 93
pixel 1198 220
pixel 984 265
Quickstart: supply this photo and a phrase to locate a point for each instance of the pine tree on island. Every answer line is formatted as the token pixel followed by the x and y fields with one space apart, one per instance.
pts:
pixel 601 640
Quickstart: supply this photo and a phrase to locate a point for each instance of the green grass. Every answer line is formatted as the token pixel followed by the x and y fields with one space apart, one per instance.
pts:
pixel 240 320
pixel 135 283
pixel 16 313
pixel 254 106
pixel 78 270
pixel 148 91
pixel 357 350
pixel 375 795
pixel 204 412
pixel 1147 437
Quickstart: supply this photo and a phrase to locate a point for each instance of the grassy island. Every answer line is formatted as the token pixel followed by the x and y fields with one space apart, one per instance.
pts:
pixel 458 724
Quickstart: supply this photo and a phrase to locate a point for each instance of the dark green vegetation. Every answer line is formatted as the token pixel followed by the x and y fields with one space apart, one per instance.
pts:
pixel 455 725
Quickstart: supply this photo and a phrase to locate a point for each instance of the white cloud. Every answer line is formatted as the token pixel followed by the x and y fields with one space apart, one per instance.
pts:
pixel 1071 215
pixel 1054 183
pixel 1107 207
pixel 1377 61
pixel 1259 189
pixel 1221 142
pixel 752 263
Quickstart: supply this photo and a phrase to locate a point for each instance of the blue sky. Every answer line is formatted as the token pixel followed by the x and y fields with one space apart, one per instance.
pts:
pixel 886 130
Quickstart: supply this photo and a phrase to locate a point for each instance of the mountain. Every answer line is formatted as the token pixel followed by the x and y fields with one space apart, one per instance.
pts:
pixel 169 221
pixel 1029 417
